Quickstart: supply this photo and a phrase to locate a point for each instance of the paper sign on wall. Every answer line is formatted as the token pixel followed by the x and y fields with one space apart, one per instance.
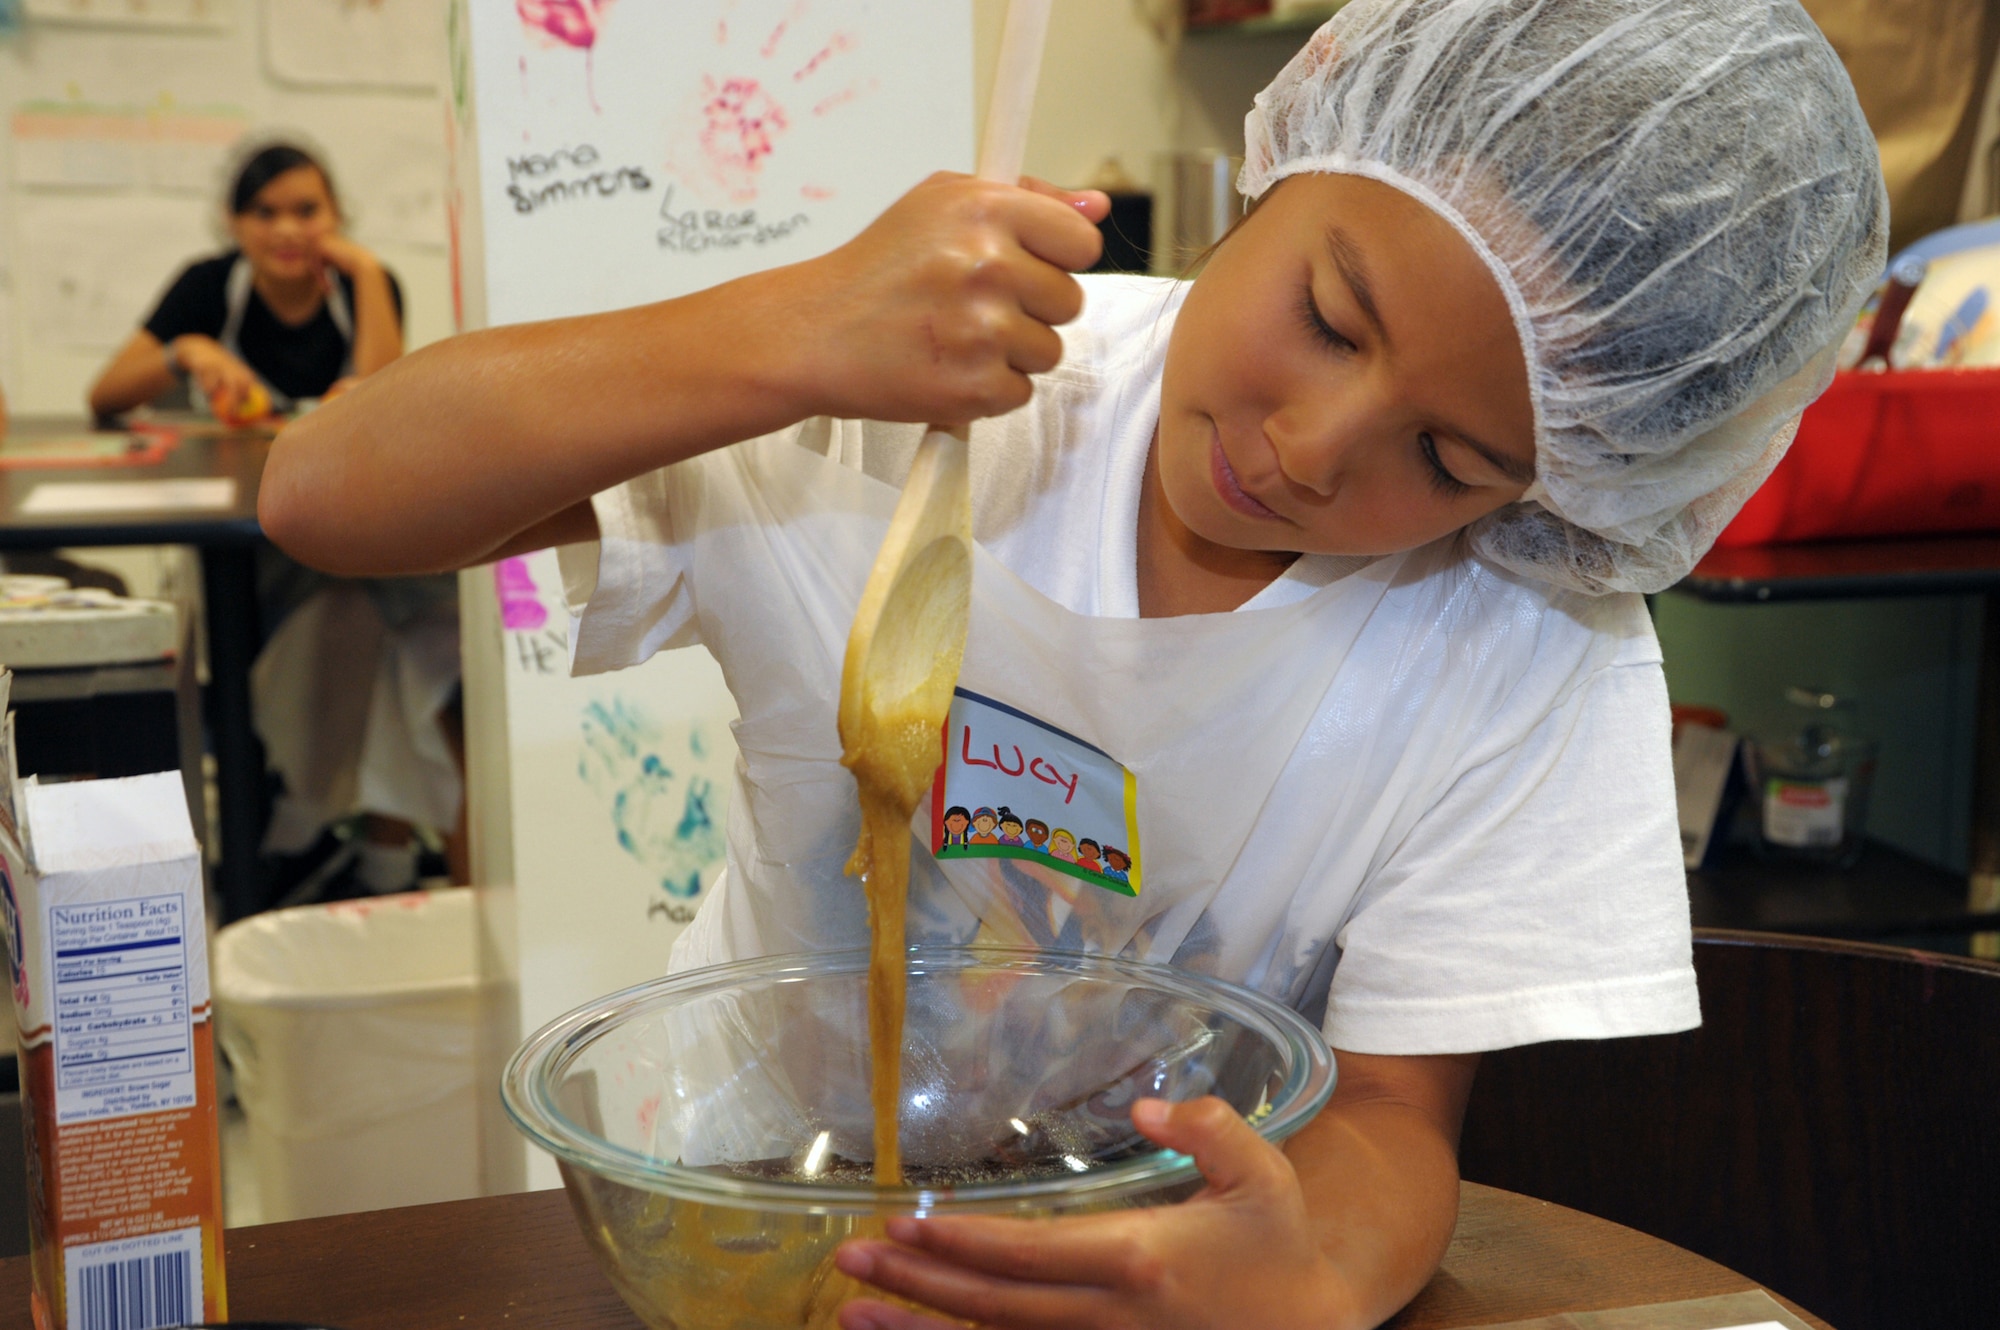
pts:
pixel 76 145
pixel 204 14
pixel 91 267
pixel 338 43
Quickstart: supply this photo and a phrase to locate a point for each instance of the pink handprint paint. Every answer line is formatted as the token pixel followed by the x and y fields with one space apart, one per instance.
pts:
pixel 777 36
pixel 735 123
pixel 521 608
pixel 740 126
pixel 841 42
pixel 572 23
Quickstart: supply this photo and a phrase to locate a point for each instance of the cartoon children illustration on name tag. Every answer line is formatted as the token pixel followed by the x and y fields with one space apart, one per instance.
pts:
pixel 1116 864
pixel 1072 798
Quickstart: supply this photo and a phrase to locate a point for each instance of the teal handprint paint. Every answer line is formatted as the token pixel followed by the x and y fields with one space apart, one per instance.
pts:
pixel 663 809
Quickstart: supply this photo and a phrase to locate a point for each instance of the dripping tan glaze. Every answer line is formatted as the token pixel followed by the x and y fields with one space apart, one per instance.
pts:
pixel 903 656
pixel 893 761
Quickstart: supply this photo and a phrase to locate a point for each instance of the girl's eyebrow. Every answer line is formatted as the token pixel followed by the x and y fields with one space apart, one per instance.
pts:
pixel 1353 269
pixel 1505 463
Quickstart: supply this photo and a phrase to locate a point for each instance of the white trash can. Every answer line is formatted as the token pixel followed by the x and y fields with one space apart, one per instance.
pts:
pixel 350 1030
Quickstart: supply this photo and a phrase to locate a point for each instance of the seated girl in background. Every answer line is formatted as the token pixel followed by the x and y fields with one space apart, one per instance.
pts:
pixel 352 690
pixel 296 309
pixel 1336 551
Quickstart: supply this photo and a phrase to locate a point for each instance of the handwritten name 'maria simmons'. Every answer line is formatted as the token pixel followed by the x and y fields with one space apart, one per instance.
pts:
pixel 530 189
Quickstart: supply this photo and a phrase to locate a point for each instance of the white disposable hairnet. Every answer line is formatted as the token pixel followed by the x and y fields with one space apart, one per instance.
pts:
pixel 1680 200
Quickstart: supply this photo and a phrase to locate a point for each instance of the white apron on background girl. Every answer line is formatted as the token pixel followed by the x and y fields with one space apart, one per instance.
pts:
pixel 236 303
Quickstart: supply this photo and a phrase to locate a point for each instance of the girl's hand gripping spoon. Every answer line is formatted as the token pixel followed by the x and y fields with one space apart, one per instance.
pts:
pixel 908 639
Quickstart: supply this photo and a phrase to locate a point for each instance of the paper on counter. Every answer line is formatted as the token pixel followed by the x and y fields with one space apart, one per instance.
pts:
pixel 1703 759
pixel 1752 1309
pixel 197 494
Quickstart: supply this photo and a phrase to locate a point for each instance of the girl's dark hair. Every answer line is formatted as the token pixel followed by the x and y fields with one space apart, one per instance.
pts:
pixel 266 165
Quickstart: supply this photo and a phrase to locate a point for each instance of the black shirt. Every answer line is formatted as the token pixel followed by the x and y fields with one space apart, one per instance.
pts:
pixel 299 362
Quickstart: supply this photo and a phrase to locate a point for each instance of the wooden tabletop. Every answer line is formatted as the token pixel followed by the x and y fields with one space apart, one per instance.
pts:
pixel 519 1261
pixel 204 451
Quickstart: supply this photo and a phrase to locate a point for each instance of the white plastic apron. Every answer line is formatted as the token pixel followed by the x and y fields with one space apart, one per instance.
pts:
pixel 1204 710
pixel 236 301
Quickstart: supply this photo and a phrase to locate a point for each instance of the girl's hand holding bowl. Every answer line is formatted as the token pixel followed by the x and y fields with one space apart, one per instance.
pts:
pixel 1240 1253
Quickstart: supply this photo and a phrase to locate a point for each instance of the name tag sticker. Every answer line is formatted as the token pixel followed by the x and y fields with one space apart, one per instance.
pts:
pixel 1013 787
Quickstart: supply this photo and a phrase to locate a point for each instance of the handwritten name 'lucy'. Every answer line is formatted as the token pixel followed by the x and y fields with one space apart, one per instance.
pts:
pixel 697 230
pixel 531 186
pixel 1040 768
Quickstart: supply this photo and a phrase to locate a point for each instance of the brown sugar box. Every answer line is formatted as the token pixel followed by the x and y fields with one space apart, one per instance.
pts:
pixel 102 897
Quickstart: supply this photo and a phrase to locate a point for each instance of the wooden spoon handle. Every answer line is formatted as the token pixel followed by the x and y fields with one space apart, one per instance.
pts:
pixel 1008 110
pixel 1012 101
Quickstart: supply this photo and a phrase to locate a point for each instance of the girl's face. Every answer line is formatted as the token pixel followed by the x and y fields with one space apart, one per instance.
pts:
pixel 1344 378
pixel 280 231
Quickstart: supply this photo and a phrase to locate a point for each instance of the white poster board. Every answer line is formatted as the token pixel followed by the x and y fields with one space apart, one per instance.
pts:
pixel 597 814
pixel 606 155
pixel 629 152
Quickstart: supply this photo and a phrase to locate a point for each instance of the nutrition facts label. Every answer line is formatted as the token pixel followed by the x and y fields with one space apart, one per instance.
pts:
pixel 123 1035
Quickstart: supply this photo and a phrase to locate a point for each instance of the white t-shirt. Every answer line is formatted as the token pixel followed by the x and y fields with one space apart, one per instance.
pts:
pixel 1445 823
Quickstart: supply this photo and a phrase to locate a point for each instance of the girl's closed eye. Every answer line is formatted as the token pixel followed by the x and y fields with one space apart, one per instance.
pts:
pixel 1316 325
pixel 1441 478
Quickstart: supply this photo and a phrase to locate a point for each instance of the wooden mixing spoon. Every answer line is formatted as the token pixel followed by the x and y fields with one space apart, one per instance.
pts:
pixel 908 638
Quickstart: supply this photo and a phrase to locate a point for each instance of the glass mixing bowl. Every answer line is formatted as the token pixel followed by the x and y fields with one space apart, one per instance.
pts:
pixel 714 1128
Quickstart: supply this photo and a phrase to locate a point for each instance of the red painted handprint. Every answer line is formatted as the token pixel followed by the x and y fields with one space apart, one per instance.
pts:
pixel 737 119
pixel 740 125
pixel 571 22
pixel 566 23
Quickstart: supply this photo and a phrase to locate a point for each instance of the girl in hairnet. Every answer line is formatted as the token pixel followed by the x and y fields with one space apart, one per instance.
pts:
pixel 1335 550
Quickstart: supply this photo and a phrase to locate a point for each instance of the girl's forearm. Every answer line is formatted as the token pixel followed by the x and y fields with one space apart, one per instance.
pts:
pixel 451 451
pixel 938 311
pixel 378 333
pixel 1380 1176
pixel 135 376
